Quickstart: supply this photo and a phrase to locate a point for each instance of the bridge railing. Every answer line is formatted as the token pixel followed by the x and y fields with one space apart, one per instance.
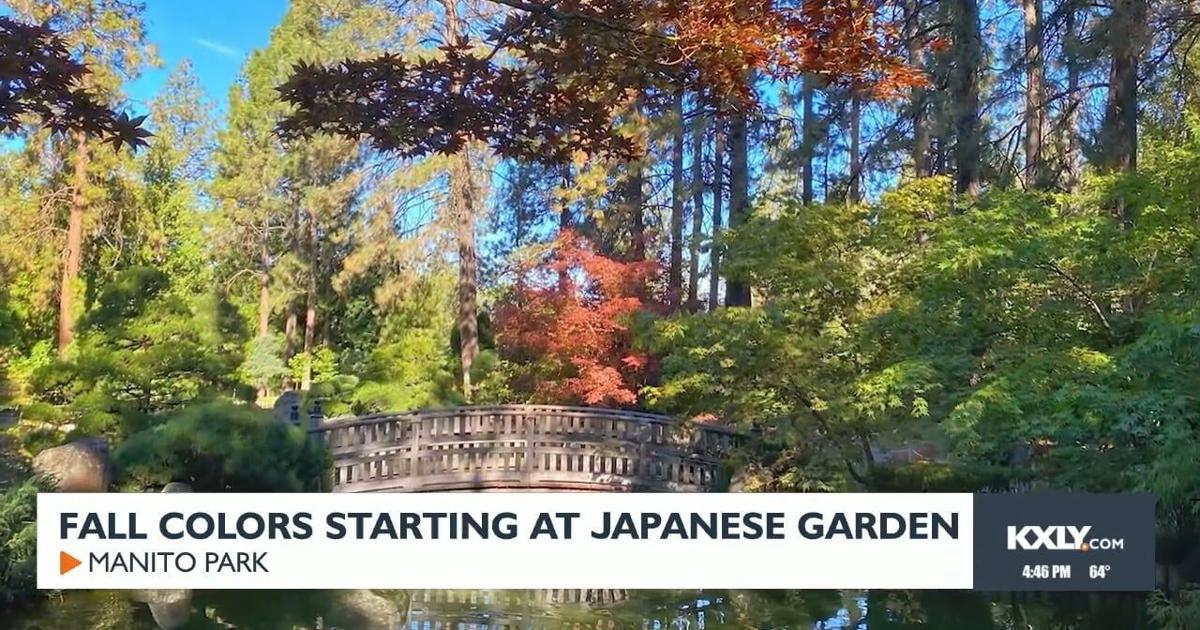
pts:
pixel 522 447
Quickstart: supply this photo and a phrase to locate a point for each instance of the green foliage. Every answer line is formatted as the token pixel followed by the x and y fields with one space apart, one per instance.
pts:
pixel 410 371
pixel 263 366
pixel 412 363
pixel 322 361
pixel 18 543
pixel 143 349
pixel 493 378
pixel 222 447
pixel 942 477
pixel 1013 325
pixel 1179 612
pixel 795 368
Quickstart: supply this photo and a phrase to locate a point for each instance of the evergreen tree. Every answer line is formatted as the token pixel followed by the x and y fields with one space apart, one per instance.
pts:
pixel 109 37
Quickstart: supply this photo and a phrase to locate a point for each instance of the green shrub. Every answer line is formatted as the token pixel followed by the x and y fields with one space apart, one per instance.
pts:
pixel 944 477
pixel 18 543
pixel 219 447
pixel 1177 612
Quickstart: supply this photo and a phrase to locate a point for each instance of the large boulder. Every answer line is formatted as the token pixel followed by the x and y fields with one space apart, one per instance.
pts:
pixel 81 466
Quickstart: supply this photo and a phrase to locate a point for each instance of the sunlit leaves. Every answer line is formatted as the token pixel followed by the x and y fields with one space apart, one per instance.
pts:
pixel 569 69
pixel 1024 326
pixel 569 323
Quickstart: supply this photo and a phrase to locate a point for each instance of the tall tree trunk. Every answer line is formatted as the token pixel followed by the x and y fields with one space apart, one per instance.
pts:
pixel 264 299
pixel 675 271
pixel 73 254
pixel 916 58
pixel 855 159
pixel 635 202
pixel 965 91
pixel 699 124
pixel 718 196
pixel 1035 79
pixel 462 208
pixel 737 293
pixel 808 142
pixel 264 283
pixel 310 308
pixel 1074 99
pixel 1120 138
pixel 289 332
pixel 290 324
pixel 565 221
pixel 635 183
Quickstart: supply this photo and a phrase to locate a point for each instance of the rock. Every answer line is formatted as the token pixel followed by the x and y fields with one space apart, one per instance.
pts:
pixel 81 466
pixel 169 607
pixel 287 408
pixel 366 609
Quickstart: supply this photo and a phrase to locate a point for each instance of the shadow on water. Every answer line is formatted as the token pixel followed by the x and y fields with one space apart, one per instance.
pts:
pixel 598 609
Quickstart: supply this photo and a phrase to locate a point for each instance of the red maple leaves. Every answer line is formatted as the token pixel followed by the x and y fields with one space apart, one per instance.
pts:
pixel 567 324
pixel 40 79
pixel 853 43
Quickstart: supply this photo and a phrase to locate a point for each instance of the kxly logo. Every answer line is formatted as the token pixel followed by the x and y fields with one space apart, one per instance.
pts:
pixel 1058 538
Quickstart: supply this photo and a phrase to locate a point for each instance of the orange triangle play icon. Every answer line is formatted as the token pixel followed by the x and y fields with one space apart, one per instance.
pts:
pixel 66 562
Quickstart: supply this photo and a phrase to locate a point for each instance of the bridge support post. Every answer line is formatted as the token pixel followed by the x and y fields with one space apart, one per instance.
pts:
pixel 529 423
pixel 414 447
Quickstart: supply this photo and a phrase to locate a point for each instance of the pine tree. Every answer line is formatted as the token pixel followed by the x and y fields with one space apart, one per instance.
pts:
pixel 109 37
pixel 285 205
pixel 699 127
pixel 718 199
pixel 1035 97
pixel 916 41
pixel 1127 35
pixel 462 208
pixel 675 265
pixel 964 90
pixel 737 293
pixel 809 139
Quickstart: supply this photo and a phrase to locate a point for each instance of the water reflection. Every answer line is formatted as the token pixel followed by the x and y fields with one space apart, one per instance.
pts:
pixel 591 610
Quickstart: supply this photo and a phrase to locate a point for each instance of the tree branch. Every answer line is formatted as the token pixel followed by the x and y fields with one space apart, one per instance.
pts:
pixel 549 11
pixel 1080 289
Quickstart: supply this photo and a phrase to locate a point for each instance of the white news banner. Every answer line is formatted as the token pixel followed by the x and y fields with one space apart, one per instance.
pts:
pixel 504 540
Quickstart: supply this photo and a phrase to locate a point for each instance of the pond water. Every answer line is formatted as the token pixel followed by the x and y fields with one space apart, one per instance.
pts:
pixel 580 610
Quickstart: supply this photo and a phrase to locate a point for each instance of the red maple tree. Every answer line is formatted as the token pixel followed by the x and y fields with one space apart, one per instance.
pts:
pixel 567 324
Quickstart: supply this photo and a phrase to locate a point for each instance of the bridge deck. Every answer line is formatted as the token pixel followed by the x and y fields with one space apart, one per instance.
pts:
pixel 522 447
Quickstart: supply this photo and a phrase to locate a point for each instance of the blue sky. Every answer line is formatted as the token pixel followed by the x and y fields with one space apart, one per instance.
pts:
pixel 216 35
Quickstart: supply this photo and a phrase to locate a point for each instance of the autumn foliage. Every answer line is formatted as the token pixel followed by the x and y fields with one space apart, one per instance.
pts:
pixel 570 68
pixel 566 325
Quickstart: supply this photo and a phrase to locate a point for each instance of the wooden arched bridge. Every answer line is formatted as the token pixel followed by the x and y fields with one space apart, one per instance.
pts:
pixel 522 447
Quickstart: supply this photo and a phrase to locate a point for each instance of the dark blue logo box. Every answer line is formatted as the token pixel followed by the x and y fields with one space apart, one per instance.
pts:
pixel 1058 541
